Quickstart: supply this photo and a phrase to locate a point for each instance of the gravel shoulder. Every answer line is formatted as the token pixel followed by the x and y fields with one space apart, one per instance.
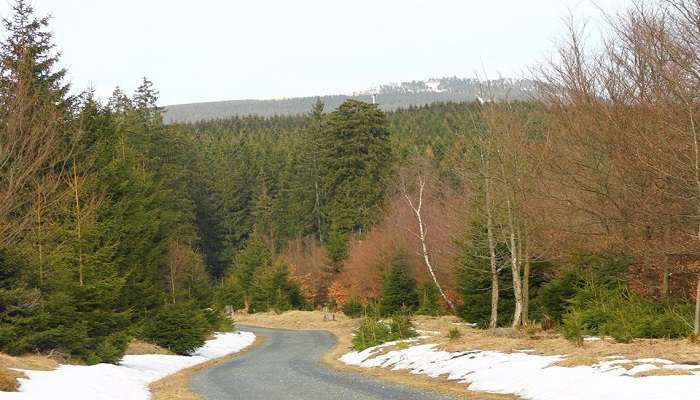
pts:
pixel 287 365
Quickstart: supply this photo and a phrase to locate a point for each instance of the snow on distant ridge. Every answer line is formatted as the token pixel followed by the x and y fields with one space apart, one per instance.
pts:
pixel 127 381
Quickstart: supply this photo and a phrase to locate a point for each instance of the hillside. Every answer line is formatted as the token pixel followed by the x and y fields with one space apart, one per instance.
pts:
pixel 389 97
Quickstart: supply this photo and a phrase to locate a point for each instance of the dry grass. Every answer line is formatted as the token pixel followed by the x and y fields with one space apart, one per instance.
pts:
pixel 137 347
pixel 576 361
pixel 8 380
pixel 549 343
pixel 662 372
pixel 177 386
pixel 8 377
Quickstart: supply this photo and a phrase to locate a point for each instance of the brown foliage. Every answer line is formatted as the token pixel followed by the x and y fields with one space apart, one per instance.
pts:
pixel 309 266
pixel 367 256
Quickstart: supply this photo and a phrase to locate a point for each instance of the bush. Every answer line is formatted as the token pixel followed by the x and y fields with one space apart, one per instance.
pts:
pixel 454 334
pixel 624 316
pixel 178 328
pixel 553 298
pixel 401 327
pixel 429 299
pixel 217 320
pixel 353 307
pixel 373 332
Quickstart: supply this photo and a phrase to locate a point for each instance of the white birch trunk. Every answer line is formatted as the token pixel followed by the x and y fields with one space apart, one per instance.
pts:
pixel 422 236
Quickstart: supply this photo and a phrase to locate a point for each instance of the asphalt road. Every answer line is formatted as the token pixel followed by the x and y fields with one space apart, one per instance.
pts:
pixel 287 366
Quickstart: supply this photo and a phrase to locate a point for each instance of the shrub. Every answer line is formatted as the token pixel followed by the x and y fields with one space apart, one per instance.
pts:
pixel 373 332
pixel 624 316
pixel 454 334
pixel 604 269
pixel 353 307
pixel 217 320
pixel 553 298
pixel 401 327
pixel 573 328
pixel 428 299
pixel 178 328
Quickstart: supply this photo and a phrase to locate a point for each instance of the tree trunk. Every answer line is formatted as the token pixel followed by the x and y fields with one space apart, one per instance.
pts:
pixel 493 322
pixel 526 283
pixel 76 193
pixel 424 246
pixel 515 266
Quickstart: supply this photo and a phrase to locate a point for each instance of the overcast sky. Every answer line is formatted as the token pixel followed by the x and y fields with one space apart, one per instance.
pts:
pixel 203 50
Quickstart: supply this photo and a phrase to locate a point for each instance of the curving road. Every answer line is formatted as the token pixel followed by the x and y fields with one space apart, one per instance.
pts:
pixel 287 366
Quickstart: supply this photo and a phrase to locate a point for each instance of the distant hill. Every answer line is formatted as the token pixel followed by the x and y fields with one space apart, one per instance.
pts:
pixel 389 97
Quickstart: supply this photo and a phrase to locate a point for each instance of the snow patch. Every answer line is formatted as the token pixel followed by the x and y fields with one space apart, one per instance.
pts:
pixel 533 376
pixel 127 380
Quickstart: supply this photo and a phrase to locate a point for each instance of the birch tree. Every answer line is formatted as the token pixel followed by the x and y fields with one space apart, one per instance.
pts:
pixel 414 194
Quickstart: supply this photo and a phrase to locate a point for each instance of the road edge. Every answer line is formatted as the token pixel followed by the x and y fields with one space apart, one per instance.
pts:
pixel 177 386
pixel 439 385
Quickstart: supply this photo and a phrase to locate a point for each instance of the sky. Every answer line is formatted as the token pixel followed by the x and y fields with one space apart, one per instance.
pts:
pixel 208 50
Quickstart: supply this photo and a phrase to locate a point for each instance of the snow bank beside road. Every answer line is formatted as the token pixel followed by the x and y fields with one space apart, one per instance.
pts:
pixel 127 381
pixel 532 377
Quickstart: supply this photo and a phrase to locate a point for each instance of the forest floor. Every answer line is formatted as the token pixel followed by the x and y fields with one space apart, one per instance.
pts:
pixel 666 362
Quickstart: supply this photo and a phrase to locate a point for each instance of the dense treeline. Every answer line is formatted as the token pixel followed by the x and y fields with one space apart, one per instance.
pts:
pixel 595 174
pixel 98 222
pixel 577 209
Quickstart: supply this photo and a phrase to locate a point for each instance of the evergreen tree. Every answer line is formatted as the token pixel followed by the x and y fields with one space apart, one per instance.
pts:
pixel 255 257
pixel 473 278
pixel 429 299
pixel 355 156
pixel 28 58
pixel 399 287
pixel 273 289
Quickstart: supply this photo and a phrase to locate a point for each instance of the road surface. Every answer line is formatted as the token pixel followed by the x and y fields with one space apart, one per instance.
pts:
pixel 287 366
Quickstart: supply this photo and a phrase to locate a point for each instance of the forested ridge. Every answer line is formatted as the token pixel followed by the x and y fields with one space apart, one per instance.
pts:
pixel 390 97
pixel 577 211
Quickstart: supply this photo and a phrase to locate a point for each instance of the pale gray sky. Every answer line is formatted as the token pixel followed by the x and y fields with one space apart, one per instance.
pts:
pixel 219 50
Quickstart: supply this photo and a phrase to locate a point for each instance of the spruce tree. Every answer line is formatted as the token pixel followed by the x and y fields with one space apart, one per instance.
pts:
pixel 399 287
pixel 356 159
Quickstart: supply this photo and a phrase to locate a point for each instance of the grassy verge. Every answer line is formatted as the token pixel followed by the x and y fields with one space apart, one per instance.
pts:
pixel 8 377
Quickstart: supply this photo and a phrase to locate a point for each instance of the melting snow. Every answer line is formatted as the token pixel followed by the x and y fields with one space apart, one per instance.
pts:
pixel 532 376
pixel 127 381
